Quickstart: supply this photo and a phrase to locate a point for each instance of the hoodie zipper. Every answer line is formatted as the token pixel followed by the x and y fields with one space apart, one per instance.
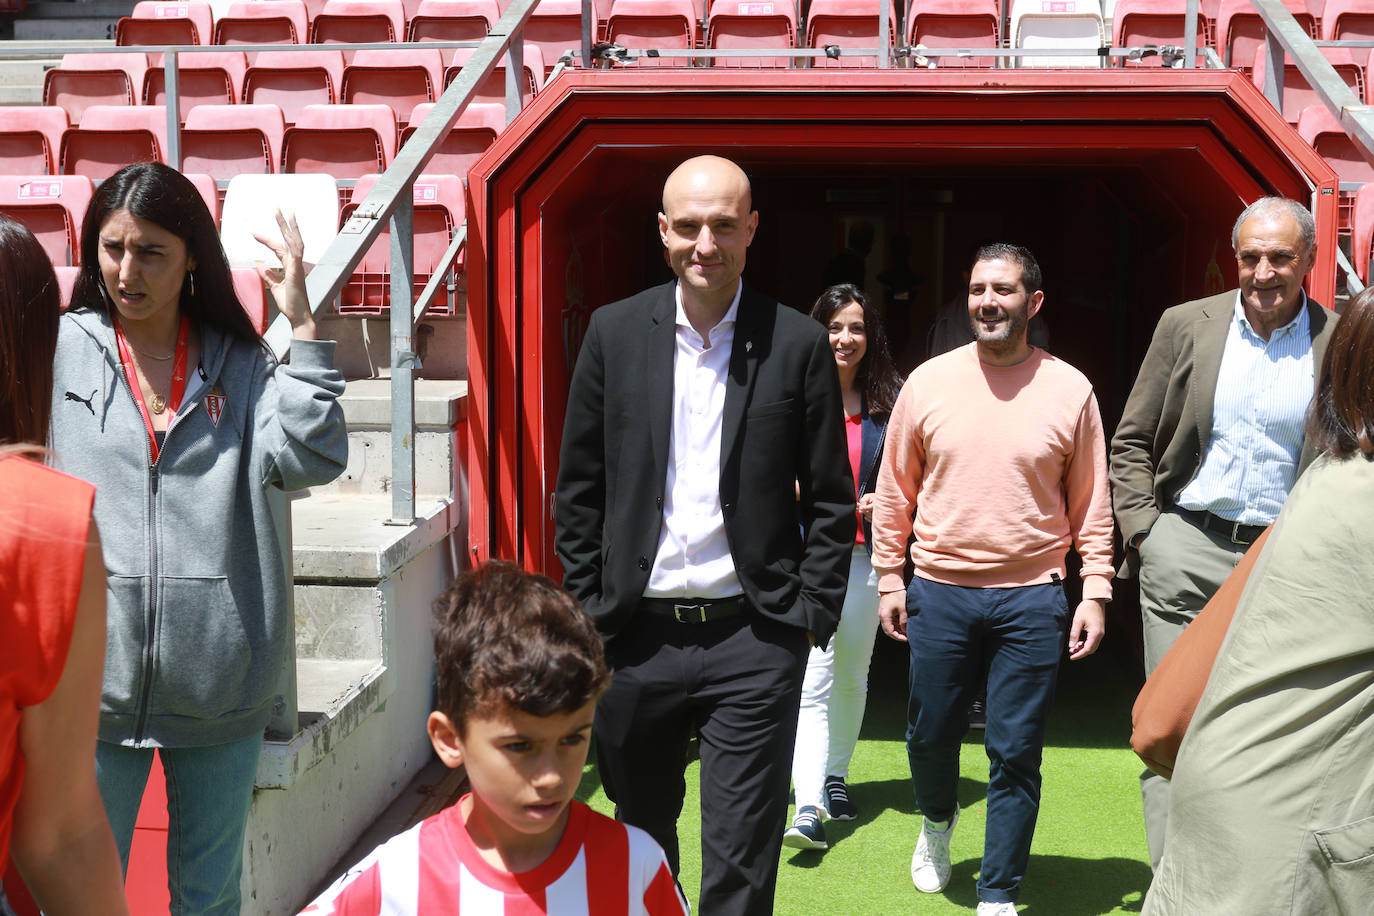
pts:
pixel 154 577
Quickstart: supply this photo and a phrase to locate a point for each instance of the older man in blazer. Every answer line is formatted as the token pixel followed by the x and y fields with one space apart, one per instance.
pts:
pixel 1213 434
pixel 705 518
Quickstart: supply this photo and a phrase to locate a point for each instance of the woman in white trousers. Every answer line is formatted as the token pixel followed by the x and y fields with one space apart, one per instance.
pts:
pixel 835 690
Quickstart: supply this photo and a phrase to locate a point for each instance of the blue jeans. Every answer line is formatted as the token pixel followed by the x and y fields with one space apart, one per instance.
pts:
pixel 209 790
pixel 1017 635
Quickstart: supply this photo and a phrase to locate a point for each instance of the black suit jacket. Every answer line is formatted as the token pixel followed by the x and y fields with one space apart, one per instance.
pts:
pixel 782 428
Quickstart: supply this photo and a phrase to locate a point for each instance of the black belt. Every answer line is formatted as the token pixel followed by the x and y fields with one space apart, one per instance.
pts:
pixel 1238 533
pixel 696 610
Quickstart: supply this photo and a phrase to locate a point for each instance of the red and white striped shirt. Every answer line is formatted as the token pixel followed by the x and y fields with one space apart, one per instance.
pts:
pixel 601 867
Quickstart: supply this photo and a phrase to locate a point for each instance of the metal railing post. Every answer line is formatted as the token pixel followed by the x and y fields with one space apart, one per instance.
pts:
pixel 586 59
pixel 404 362
pixel 1190 52
pixel 1274 59
pixel 171 94
pixel 884 36
pixel 515 74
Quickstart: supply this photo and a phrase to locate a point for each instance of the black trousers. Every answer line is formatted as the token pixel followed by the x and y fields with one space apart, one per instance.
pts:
pixel 737 684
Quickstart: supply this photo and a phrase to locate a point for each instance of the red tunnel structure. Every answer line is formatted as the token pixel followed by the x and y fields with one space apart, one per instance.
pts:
pixel 1124 183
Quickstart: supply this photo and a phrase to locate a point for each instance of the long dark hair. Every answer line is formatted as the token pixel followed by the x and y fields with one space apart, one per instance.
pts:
pixel 1342 417
pixel 162 195
pixel 877 378
pixel 29 310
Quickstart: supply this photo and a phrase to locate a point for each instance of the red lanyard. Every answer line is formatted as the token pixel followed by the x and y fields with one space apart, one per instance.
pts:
pixel 126 360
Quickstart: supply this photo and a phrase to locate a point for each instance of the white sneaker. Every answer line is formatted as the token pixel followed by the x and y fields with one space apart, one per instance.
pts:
pixel 986 908
pixel 930 866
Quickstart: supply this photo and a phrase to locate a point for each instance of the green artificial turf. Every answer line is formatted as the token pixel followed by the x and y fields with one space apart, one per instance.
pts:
pixel 1089 856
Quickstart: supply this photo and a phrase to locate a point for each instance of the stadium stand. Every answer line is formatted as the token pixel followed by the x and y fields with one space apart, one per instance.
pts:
pixel 209 78
pixel 52 206
pixel 154 22
pixel 453 20
pixel 112 136
pixel 474 131
pixel 751 24
pixel 493 88
pixel 1240 30
pixel 228 140
pixel 84 80
pixel 30 138
pixel 401 79
pixel 1070 24
pixel 662 24
pixel 847 24
pixel 263 22
pixel 1136 23
pixel 1349 20
pixel 955 24
pixel 438 208
pixel 293 79
pixel 343 141
pixel 1298 94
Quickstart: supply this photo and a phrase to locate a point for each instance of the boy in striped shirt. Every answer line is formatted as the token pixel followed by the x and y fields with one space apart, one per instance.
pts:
pixel 519 668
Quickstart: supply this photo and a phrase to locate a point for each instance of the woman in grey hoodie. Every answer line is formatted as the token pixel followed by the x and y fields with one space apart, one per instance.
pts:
pixel 167 399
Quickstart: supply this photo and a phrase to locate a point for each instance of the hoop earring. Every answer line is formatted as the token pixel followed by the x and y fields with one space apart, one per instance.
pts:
pixel 192 278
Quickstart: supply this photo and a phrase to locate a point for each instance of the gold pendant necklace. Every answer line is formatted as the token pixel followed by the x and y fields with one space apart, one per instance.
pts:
pixel 158 404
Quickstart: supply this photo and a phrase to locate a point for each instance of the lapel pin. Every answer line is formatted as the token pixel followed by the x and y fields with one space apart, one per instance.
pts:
pixel 748 345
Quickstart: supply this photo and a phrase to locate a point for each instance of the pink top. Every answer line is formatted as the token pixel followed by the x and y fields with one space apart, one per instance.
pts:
pixel 997 471
pixel 854 438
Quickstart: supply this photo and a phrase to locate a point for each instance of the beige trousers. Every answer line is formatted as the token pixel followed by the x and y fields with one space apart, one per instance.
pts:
pixel 1181 567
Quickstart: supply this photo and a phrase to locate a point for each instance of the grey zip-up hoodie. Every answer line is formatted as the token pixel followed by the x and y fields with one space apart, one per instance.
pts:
pixel 198 628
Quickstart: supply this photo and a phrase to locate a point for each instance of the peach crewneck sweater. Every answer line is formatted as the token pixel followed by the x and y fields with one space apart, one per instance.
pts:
pixel 997 471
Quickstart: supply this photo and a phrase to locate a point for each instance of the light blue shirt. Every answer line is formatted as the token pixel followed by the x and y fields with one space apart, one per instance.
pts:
pixel 1258 419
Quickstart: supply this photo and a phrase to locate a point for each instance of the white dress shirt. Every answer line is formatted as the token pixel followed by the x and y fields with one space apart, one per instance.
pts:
pixel 1259 414
pixel 693 558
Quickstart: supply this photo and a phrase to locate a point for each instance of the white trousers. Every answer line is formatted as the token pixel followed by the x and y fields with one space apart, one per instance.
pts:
pixel 835 690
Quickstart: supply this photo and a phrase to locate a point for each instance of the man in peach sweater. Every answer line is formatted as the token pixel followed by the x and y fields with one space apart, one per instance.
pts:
pixel 996 465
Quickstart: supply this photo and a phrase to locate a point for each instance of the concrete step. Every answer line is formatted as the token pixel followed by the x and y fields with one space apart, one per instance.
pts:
pixel 23 63
pixel 439 406
pixel 67 28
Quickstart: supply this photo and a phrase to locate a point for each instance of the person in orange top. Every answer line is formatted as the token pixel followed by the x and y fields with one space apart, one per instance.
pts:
pixel 52 619
pixel 996 465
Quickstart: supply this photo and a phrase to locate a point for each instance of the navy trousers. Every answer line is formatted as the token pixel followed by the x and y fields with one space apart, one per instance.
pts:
pixel 1017 636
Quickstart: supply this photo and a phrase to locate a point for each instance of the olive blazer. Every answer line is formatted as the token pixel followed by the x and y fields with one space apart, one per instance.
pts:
pixel 1167 424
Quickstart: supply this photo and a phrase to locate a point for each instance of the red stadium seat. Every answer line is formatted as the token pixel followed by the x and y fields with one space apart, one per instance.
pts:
pixel 1153 22
pixel 66 282
pixel 1362 230
pixel 30 137
pixel 346 21
pixel 847 23
pixel 84 80
pixel 438 209
pixel 493 88
pixel 263 22
pixel 52 207
pixel 1349 20
pixel 400 78
pixel 1240 30
pixel 475 130
pixel 1319 127
pixel 751 24
pixel 345 141
pixel 228 140
pixel 955 24
pixel 252 296
pixel 154 22
pixel 1297 92
pixel 556 27
pixel 670 24
pixel 1054 25
pixel 113 136
pixel 211 78
pixel 209 192
pixel 293 79
pixel 453 20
